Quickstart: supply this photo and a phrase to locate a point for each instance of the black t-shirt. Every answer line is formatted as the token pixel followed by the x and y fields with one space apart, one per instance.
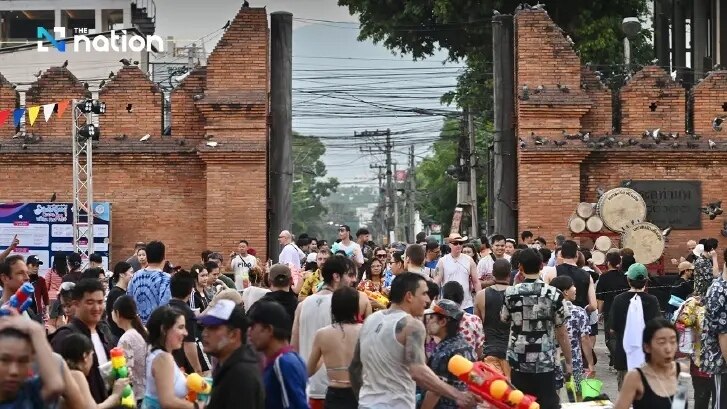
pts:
pixel 581 280
pixel 191 322
pixel 682 288
pixel 114 294
pixel 285 298
pixel 617 319
pixel 610 284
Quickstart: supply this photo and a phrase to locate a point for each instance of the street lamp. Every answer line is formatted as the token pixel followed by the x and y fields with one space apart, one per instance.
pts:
pixel 631 26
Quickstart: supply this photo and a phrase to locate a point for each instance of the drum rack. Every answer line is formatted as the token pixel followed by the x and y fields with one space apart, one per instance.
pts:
pixel 658 267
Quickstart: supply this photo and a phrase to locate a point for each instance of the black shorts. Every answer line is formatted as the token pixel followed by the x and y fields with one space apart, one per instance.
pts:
pixel 594 330
pixel 340 398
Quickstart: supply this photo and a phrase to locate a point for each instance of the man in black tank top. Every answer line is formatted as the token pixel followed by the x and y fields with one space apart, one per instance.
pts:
pixel 585 291
pixel 488 305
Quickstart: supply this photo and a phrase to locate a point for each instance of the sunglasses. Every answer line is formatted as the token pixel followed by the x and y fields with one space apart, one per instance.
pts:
pixel 382 255
pixel 456 243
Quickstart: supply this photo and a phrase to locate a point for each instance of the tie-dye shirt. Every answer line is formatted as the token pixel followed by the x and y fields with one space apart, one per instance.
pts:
pixel 150 290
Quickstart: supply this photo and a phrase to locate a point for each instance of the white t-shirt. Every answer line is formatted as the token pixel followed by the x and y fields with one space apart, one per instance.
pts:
pixel 241 267
pixel 484 267
pixel 291 254
pixel 251 295
pixel 99 349
pixel 352 250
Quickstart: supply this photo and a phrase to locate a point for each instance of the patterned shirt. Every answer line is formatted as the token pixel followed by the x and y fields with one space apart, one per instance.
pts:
pixel 715 323
pixel 470 326
pixel 150 289
pixel 439 361
pixel 703 276
pixel 692 316
pixel 310 283
pixel 388 278
pixel 368 285
pixel 578 326
pixel 533 309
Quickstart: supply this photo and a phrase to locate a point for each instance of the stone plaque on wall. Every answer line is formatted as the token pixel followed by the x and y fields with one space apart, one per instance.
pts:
pixel 673 203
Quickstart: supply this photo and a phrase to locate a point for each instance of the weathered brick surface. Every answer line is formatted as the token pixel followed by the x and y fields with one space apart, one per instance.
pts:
pixel 553 180
pixel 9 99
pixel 651 99
pixel 709 100
pixel 175 189
pixel 133 89
pixel 54 85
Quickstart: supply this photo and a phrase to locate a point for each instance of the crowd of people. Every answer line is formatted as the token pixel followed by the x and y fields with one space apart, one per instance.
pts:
pixel 356 325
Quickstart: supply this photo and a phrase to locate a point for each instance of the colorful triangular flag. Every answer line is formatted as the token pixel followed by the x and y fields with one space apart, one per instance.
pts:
pixel 18 115
pixel 48 111
pixel 33 114
pixel 4 115
pixel 62 107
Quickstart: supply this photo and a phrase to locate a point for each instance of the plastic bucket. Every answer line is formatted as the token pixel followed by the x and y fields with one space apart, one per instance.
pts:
pixel 591 388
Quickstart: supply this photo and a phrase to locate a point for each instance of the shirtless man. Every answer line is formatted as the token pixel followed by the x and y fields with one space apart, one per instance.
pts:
pixel 334 345
pixel 389 359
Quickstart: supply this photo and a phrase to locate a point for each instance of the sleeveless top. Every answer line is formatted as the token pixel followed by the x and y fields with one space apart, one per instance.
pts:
pixel 458 270
pixel 497 333
pixel 651 400
pixel 581 280
pixel 151 398
pixel 315 313
pixel 386 379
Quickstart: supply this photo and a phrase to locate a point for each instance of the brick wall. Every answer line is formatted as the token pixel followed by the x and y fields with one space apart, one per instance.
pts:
pixel 133 105
pixel 651 99
pixel 552 180
pixel 9 99
pixel 709 100
pixel 54 85
pixel 175 189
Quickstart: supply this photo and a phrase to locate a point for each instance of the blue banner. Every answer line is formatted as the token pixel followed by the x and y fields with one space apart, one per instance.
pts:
pixel 44 228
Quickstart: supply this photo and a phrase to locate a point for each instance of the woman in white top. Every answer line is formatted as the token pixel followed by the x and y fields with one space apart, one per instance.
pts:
pixel 77 350
pixel 166 386
pixel 133 341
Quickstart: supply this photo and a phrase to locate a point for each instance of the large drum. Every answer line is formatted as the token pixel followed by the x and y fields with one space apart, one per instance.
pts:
pixel 594 224
pixel 585 210
pixel 598 257
pixel 646 240
pixel 603 243
pixel 576 224
pixel 620 208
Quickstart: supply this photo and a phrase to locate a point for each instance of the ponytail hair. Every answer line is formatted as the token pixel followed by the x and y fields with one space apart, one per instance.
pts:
pixel 125 306
pixel 120 268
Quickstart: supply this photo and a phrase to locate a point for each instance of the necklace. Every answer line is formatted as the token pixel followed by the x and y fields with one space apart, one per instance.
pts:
pixel 661 385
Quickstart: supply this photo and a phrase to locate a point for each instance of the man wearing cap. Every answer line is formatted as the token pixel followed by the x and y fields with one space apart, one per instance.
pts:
pixel 626 327
pixel 285 376
pixel 237 381
pixel 683 287
pixel 41 301
pixel 459 267
pixel 442 321
pixel 280 280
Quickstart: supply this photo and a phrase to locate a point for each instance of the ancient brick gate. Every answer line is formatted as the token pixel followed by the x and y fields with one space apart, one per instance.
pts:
pixel 170 188
pixel 552 179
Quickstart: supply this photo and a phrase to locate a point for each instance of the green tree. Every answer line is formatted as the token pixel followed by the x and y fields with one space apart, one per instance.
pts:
pixel 310 185
pixel 463 29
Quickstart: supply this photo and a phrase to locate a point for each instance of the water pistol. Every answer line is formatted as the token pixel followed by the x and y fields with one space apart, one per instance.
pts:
pixel 198 388
pixel 20 301
pixel 120 371
pixel 490 385
pixel 378 297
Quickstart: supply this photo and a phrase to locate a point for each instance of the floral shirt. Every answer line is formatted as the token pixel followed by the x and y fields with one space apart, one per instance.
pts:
pixel 703 276
pixel 578 326
pixel 691 316
pixel 135 349
pixel 439 361
pixel 714 324
pixel 470 326
pixel 533 309
pixel 388 278
pixel 310 283
pixel 368 285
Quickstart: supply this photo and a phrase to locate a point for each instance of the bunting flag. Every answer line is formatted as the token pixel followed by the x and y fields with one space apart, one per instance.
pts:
pixel 18 115
pixel 62 107
pixel 4 115
pixel 47 111
pixel 33 114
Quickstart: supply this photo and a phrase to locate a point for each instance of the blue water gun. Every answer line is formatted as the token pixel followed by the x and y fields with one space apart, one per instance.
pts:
pixel 20 301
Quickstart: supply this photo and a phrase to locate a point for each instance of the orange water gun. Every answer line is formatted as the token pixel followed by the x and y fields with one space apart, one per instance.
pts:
pixel 489 384
pixel 378 297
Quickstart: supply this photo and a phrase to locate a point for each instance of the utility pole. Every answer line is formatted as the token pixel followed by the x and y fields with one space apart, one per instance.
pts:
pixel 397 235
pixel 505 159
pixel 412 196
pixel 390 191
pixel 281 128
pixel 475 231
pixel 463 172
pixel 381 222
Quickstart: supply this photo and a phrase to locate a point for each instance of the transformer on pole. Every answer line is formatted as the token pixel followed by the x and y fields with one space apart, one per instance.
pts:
pixel 83 133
